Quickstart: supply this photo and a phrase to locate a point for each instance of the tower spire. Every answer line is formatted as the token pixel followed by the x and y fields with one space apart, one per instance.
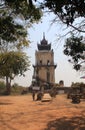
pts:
pixel 43 35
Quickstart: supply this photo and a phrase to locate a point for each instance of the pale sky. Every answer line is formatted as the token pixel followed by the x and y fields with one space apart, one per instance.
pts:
pixel 64 70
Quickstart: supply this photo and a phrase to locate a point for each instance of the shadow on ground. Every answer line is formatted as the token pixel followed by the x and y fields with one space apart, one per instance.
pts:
pixel 74 123
pixel 3 103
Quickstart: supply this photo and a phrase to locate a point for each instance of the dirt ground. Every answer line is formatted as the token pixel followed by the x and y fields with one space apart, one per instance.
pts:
pixel 22 113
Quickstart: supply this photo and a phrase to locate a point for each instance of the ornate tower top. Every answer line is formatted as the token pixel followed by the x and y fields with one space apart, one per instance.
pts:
pixel 44 41
pixel 44 44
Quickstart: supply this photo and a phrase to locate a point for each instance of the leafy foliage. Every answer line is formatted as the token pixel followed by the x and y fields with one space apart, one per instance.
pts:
pixel 10 32
pixel 24 7
pixel 74 48
pixel 16 63
pixel 15 89
pixel 15 17
pixel 77 84
pixel 67 11
pixel 11 14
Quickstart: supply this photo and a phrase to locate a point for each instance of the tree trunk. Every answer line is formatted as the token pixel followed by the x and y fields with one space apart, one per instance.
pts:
pixel 8 86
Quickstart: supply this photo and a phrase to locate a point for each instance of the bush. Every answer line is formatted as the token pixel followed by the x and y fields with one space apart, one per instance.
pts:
pixel 16 89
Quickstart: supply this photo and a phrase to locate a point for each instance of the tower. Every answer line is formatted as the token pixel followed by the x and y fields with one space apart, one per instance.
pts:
pixel 44 68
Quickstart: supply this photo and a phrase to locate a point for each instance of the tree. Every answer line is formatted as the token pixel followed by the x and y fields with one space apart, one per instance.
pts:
pixel 75 48
pixel 15 17
pixel 68 11
pixel 16 64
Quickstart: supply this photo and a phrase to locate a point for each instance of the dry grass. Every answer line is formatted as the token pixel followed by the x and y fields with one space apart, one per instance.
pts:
pixel 21 113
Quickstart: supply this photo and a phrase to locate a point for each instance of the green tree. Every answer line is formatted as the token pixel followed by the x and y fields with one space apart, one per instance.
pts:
pixel 68 11
pixel 75 48
pixel 16 64
pixel 15 17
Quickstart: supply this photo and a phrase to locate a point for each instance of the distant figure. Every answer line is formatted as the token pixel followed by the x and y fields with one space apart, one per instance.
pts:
pixel 33 95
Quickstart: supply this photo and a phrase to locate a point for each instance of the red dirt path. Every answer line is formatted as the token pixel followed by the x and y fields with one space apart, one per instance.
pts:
pixel 21 113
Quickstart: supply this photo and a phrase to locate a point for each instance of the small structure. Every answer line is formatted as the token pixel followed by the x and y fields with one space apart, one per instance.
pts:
pixel 61 83
pixel 46 97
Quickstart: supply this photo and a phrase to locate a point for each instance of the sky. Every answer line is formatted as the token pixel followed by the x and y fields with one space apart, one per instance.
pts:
pixel 64 70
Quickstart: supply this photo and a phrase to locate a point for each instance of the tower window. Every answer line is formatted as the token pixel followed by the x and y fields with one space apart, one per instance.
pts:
pixel 48 62
pixel 41 62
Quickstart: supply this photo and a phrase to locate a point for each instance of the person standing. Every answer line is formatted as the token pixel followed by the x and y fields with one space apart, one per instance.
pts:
pixel 33 95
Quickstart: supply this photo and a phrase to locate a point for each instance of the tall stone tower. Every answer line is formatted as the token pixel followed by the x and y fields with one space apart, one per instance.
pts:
pixel 44 68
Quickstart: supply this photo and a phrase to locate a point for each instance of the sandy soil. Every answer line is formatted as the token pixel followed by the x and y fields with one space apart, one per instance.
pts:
pixel 21 113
